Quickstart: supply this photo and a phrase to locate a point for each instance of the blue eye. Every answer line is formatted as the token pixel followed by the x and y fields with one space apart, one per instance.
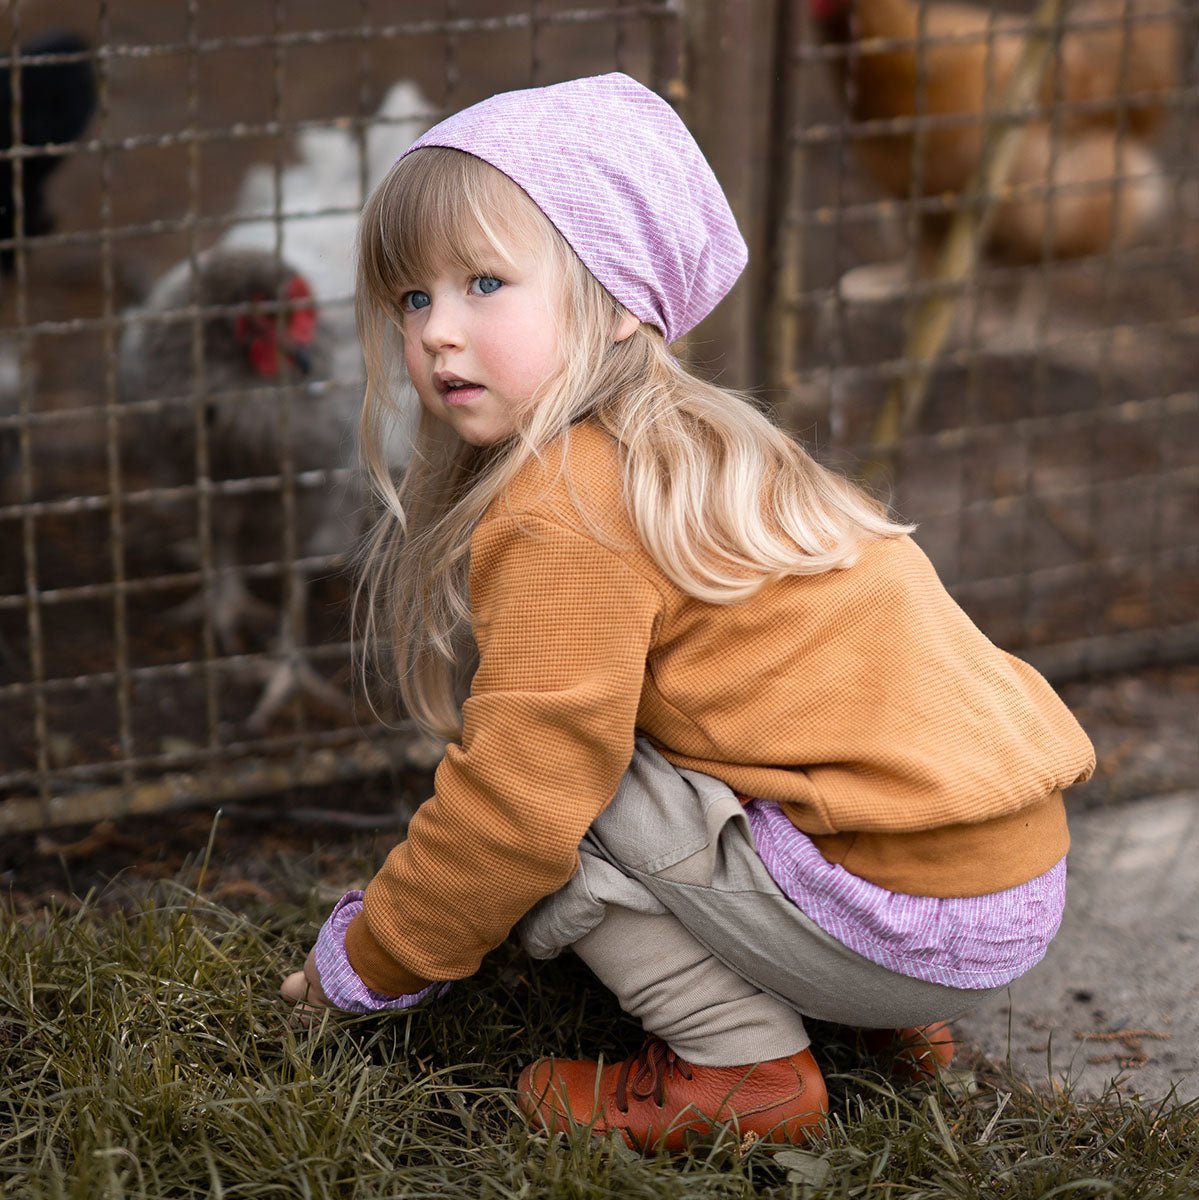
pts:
pixel 487 284
pixel 412 301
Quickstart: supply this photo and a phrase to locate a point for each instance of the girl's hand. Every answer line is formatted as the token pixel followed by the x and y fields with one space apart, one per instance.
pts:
pixel 303 988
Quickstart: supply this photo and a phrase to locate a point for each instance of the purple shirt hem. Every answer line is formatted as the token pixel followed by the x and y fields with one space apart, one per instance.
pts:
pixel 962 942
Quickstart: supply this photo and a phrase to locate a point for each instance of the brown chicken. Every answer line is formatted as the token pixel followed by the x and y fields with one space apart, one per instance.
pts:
pixel 1117 65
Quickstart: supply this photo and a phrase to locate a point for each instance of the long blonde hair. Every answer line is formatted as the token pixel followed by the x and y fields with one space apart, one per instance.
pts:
pixel 721 498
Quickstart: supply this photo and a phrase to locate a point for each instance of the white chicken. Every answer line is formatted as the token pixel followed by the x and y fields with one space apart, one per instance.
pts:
pixel 310 217
pixel 279 377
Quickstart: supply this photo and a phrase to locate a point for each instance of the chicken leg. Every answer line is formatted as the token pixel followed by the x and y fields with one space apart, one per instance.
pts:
pixel 290 674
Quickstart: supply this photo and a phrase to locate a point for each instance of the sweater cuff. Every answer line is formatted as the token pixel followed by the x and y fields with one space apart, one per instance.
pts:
pixel 374 965
pixel 344 986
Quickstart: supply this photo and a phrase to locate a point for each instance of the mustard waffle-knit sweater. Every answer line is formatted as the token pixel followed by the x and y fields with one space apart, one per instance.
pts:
pixel 912 750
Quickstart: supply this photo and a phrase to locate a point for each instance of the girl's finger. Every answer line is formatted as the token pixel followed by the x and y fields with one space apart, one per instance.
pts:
pixel 295 988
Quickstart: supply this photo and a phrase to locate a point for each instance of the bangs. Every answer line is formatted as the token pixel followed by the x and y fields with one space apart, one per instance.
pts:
pixel 440 207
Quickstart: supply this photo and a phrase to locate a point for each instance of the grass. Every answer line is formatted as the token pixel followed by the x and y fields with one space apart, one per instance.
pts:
pixel 143 1054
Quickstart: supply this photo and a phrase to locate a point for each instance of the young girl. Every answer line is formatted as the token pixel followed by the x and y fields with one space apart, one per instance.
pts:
pixel 714 723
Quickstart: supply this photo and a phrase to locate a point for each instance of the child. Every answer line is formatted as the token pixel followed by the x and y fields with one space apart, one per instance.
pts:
pixel 714 723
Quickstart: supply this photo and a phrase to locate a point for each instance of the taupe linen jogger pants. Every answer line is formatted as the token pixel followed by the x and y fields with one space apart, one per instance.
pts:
pixel 676 913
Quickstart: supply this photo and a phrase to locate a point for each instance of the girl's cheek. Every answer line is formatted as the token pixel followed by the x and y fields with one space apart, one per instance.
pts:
pixel 412 349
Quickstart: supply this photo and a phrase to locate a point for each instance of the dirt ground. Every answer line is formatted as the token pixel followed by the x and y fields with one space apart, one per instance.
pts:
pixel 1053 528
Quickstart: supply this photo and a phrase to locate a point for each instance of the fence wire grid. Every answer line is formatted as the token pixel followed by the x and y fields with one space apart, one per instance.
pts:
pixel 989 288
pixel 982 300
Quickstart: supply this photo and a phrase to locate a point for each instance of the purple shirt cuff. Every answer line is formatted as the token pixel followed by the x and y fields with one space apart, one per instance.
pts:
pixel 339 979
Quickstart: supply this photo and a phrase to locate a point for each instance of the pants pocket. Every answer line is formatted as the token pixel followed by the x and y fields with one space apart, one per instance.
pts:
pixel 656 818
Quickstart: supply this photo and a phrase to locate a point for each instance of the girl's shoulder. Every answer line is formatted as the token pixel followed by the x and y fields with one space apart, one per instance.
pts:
pixel 576 481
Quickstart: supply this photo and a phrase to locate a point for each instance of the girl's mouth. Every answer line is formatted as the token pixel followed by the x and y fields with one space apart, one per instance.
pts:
pixel 459 391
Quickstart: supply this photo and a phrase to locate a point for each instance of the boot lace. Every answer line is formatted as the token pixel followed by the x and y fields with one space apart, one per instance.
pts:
pixel 645 1074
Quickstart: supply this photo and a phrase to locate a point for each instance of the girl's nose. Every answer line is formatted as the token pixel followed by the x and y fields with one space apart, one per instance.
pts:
pixel 442 326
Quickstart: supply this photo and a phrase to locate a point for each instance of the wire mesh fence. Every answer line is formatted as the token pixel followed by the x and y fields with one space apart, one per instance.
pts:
pixel 179 373
pixel 989 299
pixel 180 370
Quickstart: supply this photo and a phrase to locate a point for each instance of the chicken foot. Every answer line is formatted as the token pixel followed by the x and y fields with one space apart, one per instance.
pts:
pixel 290 674
pixel 232 606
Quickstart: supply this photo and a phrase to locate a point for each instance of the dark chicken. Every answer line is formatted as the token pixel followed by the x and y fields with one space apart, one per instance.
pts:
pixel 249 409
pixel 56 102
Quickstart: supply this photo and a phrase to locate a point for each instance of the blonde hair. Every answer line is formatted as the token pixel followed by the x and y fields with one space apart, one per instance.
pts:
pixel 721 499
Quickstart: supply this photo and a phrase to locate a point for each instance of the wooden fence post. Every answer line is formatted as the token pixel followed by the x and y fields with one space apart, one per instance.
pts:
pixel 731 106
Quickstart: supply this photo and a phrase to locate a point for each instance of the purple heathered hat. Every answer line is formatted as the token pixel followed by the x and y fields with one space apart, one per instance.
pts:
pixel 616 171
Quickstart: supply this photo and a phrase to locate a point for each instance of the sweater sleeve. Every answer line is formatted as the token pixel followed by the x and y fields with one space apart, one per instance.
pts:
pixel 563 626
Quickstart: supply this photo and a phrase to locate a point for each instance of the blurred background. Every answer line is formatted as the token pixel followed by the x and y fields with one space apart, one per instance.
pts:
pixel 974 283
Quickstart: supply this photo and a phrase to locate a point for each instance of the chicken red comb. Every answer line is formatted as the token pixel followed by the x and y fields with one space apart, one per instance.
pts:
pixel 298 288
pixel 301 326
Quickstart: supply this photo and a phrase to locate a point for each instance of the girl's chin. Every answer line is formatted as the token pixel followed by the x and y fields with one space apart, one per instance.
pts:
pixel 473 427
pixel 482 436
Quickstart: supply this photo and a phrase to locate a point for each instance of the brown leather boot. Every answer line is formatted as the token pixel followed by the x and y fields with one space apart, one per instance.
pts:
pixel 654 1098
pixel 917 1053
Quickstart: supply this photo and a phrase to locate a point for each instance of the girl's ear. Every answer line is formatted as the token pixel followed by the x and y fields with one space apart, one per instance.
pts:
pixel 626 327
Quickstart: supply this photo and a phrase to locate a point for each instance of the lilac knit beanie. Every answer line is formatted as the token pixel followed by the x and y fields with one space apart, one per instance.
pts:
pixel 616 171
